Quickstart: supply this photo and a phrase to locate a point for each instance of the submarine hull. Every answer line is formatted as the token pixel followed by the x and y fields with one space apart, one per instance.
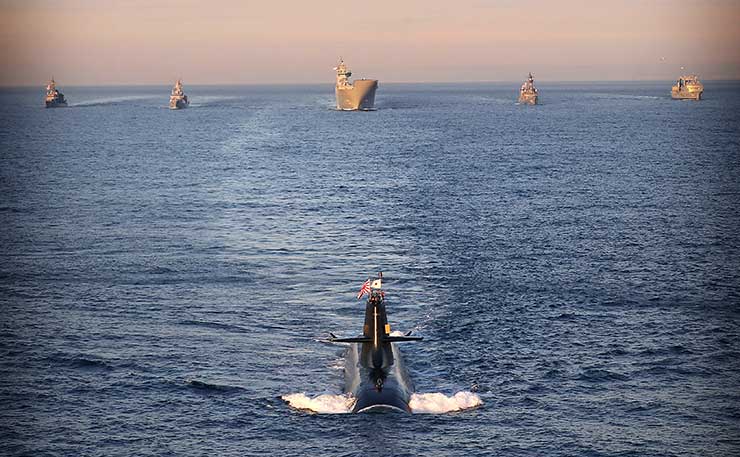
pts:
pixel 360 96
pixel 394 392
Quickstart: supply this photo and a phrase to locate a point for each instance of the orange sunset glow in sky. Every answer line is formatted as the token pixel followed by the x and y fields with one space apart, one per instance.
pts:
pixel 275 42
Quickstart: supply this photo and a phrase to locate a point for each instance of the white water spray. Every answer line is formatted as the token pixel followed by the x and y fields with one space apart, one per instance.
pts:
pixel 430 403
pixel 439 403
pixel 322 404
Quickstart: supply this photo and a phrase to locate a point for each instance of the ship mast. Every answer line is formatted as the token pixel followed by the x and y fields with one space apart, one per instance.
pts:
pixel 528 85
pixel 177 90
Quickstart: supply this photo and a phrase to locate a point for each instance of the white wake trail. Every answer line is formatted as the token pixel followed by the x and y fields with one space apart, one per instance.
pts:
pixel 429 403
pixel 110 100
pixel 323 404
pixel 439 403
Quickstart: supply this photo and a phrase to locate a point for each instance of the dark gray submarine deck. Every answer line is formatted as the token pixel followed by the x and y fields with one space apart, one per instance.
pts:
pixel 387 389
pixel 374 371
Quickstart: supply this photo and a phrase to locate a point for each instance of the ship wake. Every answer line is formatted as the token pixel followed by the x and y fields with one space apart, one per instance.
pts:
pixel 421 403
pixel 322 404
pixel 214 100
pixel 110 101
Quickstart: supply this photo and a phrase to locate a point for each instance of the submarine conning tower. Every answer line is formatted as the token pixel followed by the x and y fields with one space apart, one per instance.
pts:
pixel 376 353
pixel 376 339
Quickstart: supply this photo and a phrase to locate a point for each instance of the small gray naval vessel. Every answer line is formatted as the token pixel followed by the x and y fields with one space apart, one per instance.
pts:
pixel 687 88
pixel 359 95
pixel 178 99
pixel 54 98
pixel 528 93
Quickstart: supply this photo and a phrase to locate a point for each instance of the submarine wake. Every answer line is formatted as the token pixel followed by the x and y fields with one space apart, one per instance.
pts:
pixel 429 403
pixel 322 404
pixel 439 403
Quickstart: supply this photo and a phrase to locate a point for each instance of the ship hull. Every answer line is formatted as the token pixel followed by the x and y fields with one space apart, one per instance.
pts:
pixel 56 104
pixel 359 380
pixel 361 96
pixel 179 104
pixel 687 94
pixel 527 99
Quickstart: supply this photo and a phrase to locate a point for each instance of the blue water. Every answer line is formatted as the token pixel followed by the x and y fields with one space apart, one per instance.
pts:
pixel 167 276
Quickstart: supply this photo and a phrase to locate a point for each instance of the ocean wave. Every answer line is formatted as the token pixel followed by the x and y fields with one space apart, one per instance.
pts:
pixel 601 375
pixel 427 403
pixel 84 362
pixel 210 386
pixel 159 271
pixel 215 325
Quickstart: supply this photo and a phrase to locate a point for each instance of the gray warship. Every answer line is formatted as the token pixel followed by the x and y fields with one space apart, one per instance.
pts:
pixel 528 93
pixel 178 99
pixel 687 88
pixel 54 98
pixel 357 95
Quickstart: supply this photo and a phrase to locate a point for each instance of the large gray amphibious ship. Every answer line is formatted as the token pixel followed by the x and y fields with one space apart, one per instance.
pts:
pixel 357 95
pixel 374 373
pixel 687 88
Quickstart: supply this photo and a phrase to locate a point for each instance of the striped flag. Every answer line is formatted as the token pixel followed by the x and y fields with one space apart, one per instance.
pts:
pixel 365 289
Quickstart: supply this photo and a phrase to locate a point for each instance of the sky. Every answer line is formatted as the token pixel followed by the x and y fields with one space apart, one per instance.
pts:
pixel 97 42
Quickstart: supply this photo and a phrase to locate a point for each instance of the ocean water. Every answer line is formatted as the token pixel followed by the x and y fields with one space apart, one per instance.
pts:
pixel 167 278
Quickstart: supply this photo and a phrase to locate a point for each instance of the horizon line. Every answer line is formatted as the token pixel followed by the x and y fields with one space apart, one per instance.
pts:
pixel 574 81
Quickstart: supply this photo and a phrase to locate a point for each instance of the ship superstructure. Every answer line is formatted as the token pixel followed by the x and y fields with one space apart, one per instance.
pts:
pixel 54 98
pixel 357 95
pixel 528 93
pixel 687 87
pixel 178 99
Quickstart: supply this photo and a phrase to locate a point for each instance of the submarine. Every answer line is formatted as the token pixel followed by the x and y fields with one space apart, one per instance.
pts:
pixel 374 370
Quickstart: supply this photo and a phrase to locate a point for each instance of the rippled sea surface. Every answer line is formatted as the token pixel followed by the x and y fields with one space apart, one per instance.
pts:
pixel 166 277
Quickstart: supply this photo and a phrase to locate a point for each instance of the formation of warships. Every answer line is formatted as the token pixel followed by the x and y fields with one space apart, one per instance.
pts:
pixel 359 95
